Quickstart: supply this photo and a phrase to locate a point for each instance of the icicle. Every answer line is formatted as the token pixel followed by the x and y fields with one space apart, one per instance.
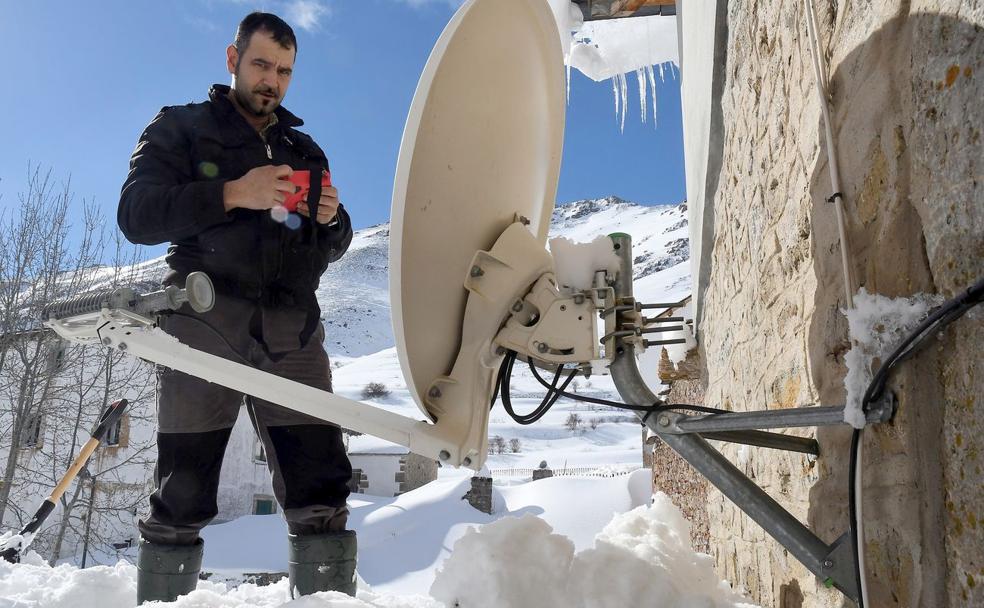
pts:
pixel 652 89
pixel 662 77
pixel 568 80
pixel 641 80
pixel 624 89
pixel 615 93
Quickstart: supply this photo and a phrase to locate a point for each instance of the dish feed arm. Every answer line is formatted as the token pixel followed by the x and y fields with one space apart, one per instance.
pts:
pixel 137 334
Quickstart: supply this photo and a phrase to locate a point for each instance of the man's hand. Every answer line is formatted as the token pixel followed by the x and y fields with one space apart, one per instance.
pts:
pixel 327 205
pixel 261 188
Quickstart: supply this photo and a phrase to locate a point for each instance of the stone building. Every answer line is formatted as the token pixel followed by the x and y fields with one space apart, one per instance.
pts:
pixel 907 98
pixel 380 468
pixel 389 469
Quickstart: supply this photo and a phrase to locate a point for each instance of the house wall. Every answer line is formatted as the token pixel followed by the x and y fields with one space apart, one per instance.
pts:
pixel 381 471
pixel 243 477
pixel 907 82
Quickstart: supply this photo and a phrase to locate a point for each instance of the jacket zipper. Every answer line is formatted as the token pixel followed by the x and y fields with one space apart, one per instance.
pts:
pixel 264 277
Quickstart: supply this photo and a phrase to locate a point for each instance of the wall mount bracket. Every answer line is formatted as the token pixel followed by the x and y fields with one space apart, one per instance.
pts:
pixel 833 563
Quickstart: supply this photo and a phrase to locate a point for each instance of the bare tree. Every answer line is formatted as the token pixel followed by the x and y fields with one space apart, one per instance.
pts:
pixel 514 445
pixel 115 474
pixel 573 422
pixel 40 263
pixel 497 444
pixel 51 392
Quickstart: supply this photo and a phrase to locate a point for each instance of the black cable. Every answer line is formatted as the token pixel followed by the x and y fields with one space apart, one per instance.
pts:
pixel 942 316
pixel 853 510
pixel 937 320
pixel 505 373
pixel 656 407
pixel 498 381
pixel 554 393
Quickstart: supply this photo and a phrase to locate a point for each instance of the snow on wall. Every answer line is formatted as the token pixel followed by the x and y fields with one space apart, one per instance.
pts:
pixel 877 325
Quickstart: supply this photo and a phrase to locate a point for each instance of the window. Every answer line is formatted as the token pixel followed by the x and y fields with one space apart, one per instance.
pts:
pixel 259 454
pixel 56 355
pixel 114 434
pixel 264 505
pixel 31 433
pixel 126 544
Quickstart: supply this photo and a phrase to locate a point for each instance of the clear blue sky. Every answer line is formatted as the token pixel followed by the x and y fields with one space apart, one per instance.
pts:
pixel 82 80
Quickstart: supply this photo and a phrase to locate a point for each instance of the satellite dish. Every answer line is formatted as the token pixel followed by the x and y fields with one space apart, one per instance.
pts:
pixel 482 146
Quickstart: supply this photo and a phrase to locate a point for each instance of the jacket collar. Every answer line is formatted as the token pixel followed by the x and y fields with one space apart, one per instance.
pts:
pixel 218 94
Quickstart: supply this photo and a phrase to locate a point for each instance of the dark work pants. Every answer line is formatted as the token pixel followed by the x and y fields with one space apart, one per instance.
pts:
pixel 305 455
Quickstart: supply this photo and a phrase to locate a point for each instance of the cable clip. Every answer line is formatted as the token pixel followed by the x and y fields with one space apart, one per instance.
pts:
pixel 648 414
pixel 833 197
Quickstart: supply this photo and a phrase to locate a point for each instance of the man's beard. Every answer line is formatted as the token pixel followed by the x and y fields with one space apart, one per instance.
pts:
pixel 256 104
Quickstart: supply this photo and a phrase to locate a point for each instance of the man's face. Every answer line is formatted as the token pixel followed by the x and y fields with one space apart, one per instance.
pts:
pixel 261 74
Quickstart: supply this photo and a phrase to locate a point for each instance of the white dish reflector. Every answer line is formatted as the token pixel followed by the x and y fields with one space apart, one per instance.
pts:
pixel 482 144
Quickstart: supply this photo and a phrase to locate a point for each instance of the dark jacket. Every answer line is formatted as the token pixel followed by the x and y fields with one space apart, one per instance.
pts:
pixel 174 193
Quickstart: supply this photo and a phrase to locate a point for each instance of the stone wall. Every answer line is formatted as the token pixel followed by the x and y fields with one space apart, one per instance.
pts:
pixel 673 476
pixel 415 471
pixel 907 85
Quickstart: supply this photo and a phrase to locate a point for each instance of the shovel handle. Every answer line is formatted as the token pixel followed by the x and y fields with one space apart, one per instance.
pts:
pixel 107 420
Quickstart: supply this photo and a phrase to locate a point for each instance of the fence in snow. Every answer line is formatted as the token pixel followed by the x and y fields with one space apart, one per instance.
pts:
pixel 565 472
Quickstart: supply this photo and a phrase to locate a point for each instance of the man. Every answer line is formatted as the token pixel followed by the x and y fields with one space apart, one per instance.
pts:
pixel 208 178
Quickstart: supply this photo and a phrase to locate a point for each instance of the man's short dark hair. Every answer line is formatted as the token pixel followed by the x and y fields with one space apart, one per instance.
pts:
pixel 266 22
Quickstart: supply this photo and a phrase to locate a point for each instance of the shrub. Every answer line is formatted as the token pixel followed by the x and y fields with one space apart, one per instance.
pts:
pixel 497 445
pixel 573 422
pixel 375 390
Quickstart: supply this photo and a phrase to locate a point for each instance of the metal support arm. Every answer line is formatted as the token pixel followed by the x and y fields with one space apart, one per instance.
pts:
pixel 127 331
pixel 832 563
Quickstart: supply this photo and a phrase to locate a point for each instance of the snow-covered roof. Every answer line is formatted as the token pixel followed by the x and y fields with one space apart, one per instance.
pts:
pixel 367 444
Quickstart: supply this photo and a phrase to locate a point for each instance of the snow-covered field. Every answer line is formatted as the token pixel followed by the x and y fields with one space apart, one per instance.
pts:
pixel 564 542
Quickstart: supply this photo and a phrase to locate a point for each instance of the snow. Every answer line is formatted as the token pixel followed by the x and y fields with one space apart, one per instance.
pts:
pixel 20 542
pixel 612 48
pixel 877 325
pixel 428 548
pixel 576 263
pixel 521 561
pixel 603 49
pixel 678 352
pixel 646 554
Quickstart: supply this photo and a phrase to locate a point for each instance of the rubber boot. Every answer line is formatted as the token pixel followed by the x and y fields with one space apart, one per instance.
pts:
pixel 166 571
pixel 322 562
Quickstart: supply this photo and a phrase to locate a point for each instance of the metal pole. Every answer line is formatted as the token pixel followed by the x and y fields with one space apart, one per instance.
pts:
pixel 746 495
pixel 768 419
pixel 764 439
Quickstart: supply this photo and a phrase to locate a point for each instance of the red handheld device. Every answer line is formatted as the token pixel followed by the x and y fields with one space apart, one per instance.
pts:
pixel 302 186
